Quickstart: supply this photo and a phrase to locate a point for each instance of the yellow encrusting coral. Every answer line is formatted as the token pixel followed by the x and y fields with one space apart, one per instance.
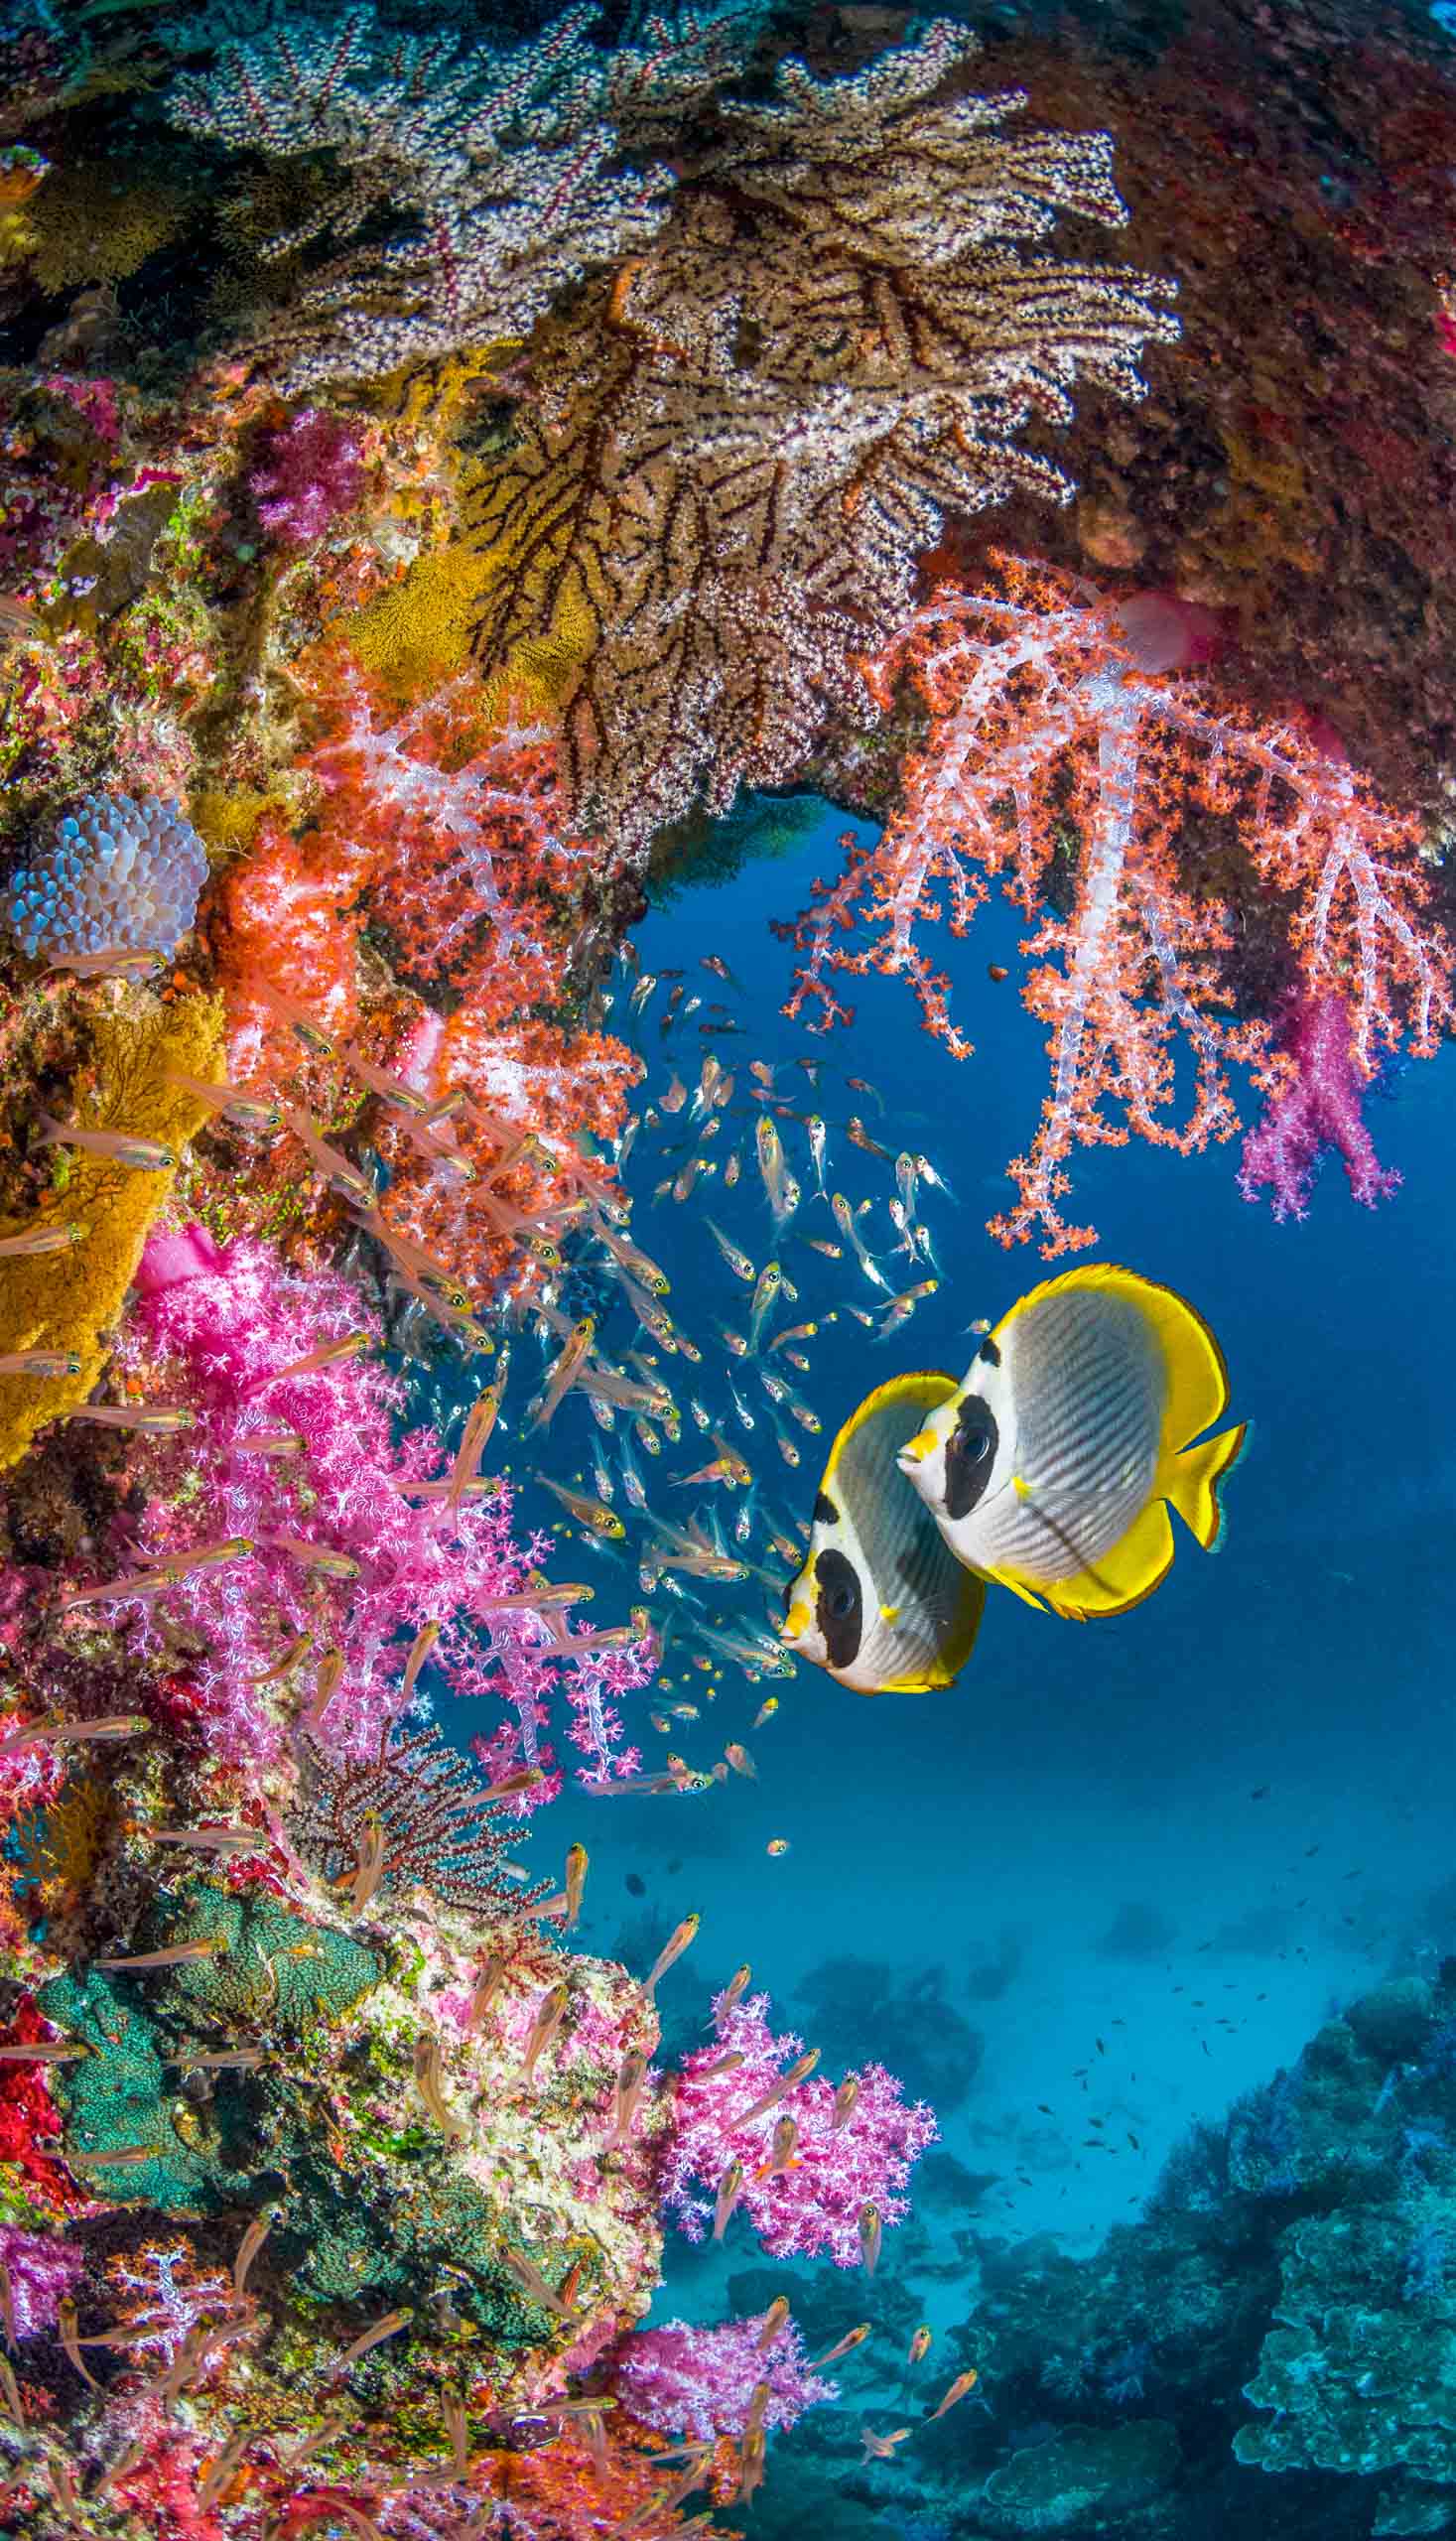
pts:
pixel 69 1301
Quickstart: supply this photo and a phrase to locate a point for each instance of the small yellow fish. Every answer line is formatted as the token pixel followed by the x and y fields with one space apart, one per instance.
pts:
pixel 919 2346
pixel 592 1514
pixel 870 2234
pixel 955 2391
pixel 765 1711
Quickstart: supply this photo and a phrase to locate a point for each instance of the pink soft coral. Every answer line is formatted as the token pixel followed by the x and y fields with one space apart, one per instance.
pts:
pixel 686 2380
pixel 210 1342
pixel 813 2208
pixel 313 472
pixel 41 2269
pixel 1319 1109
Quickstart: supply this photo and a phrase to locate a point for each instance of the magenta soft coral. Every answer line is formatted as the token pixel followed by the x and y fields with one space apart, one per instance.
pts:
pixel 212 1342
pixel 313 471
pixel 810 2211
pixel 684 2379
pixel 1321 1108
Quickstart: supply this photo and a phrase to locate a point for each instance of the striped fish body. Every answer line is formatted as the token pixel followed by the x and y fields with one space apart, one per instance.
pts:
pixel 881 1602
pixel 1052 1468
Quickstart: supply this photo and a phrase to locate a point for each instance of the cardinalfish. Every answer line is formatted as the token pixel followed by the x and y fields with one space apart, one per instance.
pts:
pixel 690 1549
pixel 61 1733
pixel 843 1218
pixel 151 1419
pixel 858 1136
pixel 474 1437
pixel 563 1371
pixel 883 2448
pixel 312 1557
pixel 770 1281
pixel 919 2346
pixel 299 1023
pixel 390 1088
pixel 739 1263
pixel 349 1345
pixel 954 2391
pixel 246 1110
pixel 630 2080
pixel 338 1172
pixel 772 1171
pixel 37 1240
pixel 683 1937
pixel 639 1265
pixel 550 2013
pixel 117 1146
pixel 844 2346
pixel 740 1759
pixel 782 2151
pixel 592 1514
pixel 730 2190
pixel 40 1362
pixel 900 1308
pixel 114 961
pixel 871 2232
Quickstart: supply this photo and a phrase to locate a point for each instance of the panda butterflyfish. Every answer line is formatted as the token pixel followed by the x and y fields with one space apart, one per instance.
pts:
pixel 1051 1468
pixel 881 1602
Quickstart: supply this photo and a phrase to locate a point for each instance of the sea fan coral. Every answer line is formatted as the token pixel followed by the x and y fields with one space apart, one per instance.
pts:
pixel 728 482
pixel 120 873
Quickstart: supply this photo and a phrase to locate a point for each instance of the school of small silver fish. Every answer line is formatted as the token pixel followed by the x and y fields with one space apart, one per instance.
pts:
pixel 695 1430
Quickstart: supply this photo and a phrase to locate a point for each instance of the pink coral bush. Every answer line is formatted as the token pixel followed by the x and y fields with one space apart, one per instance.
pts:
pixel 1318 1110
pixel 40 2270
pixel 687 2381
pixel 210 1342
pixel 812 2209
pixel 313 472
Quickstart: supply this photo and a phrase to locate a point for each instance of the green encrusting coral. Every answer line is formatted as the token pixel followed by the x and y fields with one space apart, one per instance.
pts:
pixel 371 2202
pixel 131 2094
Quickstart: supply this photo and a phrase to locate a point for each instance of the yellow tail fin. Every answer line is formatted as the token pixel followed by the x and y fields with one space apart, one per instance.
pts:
pixel 1193 1483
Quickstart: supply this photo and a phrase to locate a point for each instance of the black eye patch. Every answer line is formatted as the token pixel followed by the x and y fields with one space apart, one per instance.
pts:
pixel 969 1455
pixel 839 1607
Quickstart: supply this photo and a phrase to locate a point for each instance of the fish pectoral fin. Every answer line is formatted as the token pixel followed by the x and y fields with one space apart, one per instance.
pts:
pixel 1017 1588
pixel 1136 1564
pixel 1193 1481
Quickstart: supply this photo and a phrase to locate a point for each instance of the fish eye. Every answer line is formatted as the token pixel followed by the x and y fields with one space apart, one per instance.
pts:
pixel 969 1455
pixel 841 1602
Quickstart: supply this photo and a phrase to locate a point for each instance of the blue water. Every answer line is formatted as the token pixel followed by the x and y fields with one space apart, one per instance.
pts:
pixel 1066 1847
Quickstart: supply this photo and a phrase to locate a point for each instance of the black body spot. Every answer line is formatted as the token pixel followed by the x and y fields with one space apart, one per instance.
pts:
pixel 989 1352
pixel 969 1455
pixel 825 1512
pixel 839 1607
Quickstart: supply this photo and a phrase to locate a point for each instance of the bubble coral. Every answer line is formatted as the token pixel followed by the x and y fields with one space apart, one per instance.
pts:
pixel 120 873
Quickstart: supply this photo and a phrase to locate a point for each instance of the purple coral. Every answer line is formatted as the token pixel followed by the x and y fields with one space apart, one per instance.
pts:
pixel 812 2208
pixel 313 471
pixel 41 2271
pixel 699 2382
pixel 1320 1108
pixel 211 1341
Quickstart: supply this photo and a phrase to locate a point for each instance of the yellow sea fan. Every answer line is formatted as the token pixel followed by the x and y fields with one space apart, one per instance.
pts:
pixel 72 1300
pixel 89 223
